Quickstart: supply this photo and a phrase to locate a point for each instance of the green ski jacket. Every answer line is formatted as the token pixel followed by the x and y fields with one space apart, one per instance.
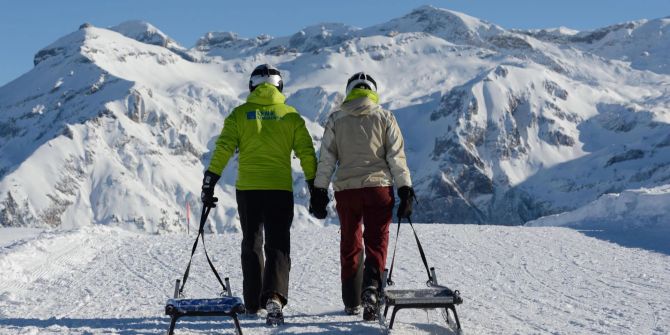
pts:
pixel 265 130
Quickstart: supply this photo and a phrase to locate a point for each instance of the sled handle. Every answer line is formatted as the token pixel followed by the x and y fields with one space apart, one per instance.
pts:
pixel 433 276
pixel 385 279
pixel 176 288
pixel 228 290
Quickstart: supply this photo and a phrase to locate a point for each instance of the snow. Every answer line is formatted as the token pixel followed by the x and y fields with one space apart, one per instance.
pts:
pixel 453 26
pixel 627 218
pixel 16 235
pixel 525 280
pixel 643 43
pixel 631 209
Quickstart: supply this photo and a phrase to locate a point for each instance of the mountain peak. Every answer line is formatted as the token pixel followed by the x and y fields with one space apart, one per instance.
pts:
pixel 86 25
pixel 215 38
pixel 320 35
pixel 66 45
pixel 145 32
pixel 439 12
pixel 330 27
pixel 450 25
pixel 139 31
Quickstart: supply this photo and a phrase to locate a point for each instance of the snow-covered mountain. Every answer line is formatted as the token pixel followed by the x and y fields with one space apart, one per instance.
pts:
pixel 115 125
pixel 645 44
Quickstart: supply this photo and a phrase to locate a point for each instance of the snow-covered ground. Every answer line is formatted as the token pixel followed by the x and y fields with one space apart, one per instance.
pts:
pixel 514 280
pixel 12 235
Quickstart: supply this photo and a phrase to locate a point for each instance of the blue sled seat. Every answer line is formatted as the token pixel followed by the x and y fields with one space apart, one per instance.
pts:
pixel 225 306
pixel 202 307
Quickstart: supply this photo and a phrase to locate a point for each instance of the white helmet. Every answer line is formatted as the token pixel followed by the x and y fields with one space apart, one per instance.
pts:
pixel 266 73
pixel 361 79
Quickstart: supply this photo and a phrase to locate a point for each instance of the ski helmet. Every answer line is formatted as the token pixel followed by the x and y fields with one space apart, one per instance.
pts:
pixel 361 80
pixel 266 73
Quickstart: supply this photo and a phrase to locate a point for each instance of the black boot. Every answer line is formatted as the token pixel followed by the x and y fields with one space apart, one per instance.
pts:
pixel 370 304
pixel 275 316
pixel 352 310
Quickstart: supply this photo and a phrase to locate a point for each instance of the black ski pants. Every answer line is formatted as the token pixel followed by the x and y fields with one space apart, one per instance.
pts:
pixel 269 211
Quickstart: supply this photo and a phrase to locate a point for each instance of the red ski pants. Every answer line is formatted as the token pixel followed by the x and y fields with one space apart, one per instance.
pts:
pixel 365 215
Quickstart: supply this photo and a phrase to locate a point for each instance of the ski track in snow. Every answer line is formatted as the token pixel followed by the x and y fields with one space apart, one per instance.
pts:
pixel 514 280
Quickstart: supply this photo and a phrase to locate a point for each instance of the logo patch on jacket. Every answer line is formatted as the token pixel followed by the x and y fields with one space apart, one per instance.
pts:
pixel 262 115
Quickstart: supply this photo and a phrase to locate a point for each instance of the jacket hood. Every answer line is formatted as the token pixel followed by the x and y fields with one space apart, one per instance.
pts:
pixel 360 102
pixel 362 92
pixel 266 94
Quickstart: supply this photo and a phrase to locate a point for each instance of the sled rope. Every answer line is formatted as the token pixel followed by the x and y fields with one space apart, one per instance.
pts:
pixel 421 252
pixel 201 235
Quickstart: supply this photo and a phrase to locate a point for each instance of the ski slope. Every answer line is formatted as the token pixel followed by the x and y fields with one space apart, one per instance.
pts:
pixel 514 280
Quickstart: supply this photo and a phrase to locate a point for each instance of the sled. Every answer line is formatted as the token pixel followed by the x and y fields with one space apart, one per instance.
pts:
pixel 434 297
pixel 227 305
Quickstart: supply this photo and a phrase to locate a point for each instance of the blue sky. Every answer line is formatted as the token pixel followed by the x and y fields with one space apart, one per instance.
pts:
pixel 29 25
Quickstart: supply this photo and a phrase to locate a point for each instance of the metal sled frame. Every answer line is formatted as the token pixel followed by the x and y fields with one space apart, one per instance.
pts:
pixel 436 296
pixel 176 315
pixel 226 305
pixel 178 308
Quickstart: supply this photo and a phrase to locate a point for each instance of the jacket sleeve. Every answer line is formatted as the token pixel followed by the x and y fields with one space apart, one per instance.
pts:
pixel 327 156
pixel 304 149
pixel 226 144
pixel 395 153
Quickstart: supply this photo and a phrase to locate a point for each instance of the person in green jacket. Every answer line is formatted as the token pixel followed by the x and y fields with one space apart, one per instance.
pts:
pixel 265 131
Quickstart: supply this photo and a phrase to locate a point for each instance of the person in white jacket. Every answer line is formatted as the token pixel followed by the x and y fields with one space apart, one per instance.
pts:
pixel 362 145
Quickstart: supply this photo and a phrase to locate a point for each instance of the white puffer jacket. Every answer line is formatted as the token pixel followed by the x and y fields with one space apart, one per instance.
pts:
pixel 363 142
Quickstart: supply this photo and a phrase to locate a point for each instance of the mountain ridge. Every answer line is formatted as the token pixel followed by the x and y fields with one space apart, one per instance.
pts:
pixel 126 118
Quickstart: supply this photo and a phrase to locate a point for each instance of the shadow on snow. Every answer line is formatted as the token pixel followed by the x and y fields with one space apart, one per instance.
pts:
pixel 301 323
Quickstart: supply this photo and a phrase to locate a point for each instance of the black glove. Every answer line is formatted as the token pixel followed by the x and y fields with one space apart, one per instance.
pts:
pixel 318 200
pixel 406 195
pixel 208 183
pixel 310 186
